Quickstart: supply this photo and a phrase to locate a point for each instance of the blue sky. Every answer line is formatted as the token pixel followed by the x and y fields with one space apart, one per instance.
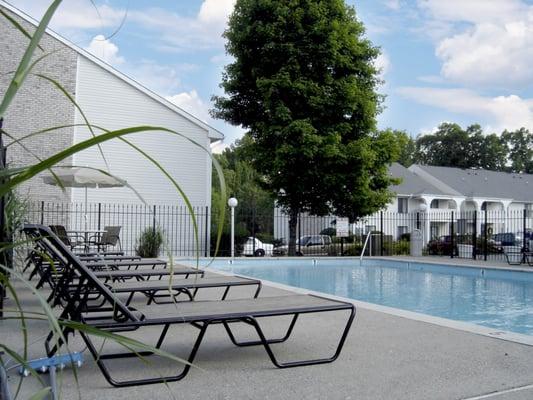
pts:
pixel 466 61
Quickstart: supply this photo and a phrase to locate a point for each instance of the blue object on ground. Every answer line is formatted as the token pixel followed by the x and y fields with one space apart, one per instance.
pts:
pixel 45 363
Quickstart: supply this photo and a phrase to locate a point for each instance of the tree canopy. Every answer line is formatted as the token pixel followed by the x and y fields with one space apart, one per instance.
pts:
pixel 453 146
pixel 256 206
pixel 303 83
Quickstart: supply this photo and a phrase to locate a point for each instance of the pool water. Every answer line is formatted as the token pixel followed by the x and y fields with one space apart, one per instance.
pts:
pixel 489 297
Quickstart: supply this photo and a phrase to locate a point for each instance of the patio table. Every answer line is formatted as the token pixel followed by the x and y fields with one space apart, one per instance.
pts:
pixel 84 233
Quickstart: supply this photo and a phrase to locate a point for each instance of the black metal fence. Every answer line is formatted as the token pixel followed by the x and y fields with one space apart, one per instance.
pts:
pixel 482 235
pixel 86 220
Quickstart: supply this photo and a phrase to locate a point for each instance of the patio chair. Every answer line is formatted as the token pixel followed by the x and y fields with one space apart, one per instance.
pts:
pixel 75 241
pixel 72 241
pixel 115 316
pixel 514 255
pixel 153 290
pixel 49 266
pixel 110 237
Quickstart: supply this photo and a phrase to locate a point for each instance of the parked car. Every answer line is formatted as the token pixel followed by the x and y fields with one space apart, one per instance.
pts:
pixel 260 249
pixel 309 245
pixel 507 239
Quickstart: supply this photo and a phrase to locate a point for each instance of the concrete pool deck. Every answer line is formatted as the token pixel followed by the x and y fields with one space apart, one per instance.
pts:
pixel 385 357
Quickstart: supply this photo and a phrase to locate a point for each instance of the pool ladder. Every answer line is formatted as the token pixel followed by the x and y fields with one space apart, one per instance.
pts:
pixel 368 238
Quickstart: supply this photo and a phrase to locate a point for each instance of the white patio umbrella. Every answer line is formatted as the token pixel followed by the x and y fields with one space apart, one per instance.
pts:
pixel 77 177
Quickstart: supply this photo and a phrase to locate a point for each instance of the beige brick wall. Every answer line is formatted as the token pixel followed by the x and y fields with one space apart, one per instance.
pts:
pixel 38 104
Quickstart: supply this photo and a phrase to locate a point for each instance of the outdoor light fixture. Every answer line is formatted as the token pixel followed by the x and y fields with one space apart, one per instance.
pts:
pixel 232 203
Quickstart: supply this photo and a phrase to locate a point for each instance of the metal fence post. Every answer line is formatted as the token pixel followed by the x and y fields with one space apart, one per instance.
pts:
pixel 451 237
pixel 524 242
pixel 474 239
pixel 42 212
pixel 206 247
pixel 253 230
pixel 299 232
pixel 417 220
pixel 99 215
pixel 381 233
pixel 153 218
pixel 485 231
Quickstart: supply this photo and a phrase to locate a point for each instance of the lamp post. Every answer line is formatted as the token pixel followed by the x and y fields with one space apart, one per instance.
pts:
pixel 232 203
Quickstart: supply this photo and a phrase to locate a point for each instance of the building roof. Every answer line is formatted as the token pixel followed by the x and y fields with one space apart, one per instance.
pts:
pixel 484 183
pixel 212 133
pixel 412 184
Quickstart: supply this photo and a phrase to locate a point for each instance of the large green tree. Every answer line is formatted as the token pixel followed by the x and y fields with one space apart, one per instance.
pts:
pixel 453 146
pixel 407 147
pixel 256 205
pixel 519 145
pixel 303 83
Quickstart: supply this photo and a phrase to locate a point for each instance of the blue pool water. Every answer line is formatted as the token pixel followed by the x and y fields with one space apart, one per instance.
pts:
pixel 494 298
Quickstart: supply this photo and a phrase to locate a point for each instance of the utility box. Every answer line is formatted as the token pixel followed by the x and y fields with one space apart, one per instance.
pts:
pixel 417 243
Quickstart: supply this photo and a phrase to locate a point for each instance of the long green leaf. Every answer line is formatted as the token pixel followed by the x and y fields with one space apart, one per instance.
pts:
pixel 22 361
pixel 22 69
pixel 178 188
pixel 71 99
pixel 41 394
pixel 46 164
pixel 129 343
pixel 58 181
pixel 24 326
pixel 15 23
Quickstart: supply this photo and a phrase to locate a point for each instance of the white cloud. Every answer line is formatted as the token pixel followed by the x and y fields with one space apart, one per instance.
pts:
pixel 192 103
pixel 219 146
pixel 393 4
pixel 177 33
pixel 162 79
pixel 474 11
pixel 504 112
pixel 74 14
pixel 383 63
pixel 490 55
pixel 104 49
pixel 482 43
pixel 216 11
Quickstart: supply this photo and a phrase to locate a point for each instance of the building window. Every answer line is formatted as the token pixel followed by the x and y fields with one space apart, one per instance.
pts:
pixel 434 204
pixel 402 205
pixel 402 230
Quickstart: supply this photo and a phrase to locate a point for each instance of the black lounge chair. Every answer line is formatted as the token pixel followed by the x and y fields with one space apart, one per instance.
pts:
pixel 115 316
pixel 514 255
pixel 49 266
pixel 153 290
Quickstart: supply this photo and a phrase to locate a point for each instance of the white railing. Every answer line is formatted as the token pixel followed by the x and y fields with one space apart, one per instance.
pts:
pixel 368 236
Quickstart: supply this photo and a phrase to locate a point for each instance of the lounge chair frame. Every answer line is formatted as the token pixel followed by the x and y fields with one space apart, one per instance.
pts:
pixel 117 317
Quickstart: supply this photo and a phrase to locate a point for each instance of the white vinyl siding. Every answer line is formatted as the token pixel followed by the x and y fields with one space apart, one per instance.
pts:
pixel 112 103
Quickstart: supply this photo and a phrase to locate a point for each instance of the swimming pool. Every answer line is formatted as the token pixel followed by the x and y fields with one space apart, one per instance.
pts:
pixel 493 298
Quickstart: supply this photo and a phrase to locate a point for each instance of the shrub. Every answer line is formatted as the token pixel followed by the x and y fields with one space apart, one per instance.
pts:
pixel 353 250
pixel 149 243
pixel 402 247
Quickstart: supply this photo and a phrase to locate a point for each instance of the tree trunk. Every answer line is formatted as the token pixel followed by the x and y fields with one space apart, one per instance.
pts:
pixel 293 224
